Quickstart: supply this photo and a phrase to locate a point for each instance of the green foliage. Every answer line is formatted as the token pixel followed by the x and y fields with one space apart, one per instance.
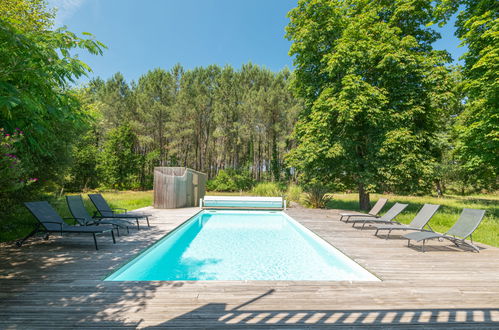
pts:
pixel 267 189
pixel 316 196
pixel 155 94
pixel 376 93
pixel 12 173
pixel 208 118
pixel 83 171
pixel 36 69
pixel 294 193
pixel 27 16
pixel 477 126
pixel 118 162
pixel 37 66
pixel 230 180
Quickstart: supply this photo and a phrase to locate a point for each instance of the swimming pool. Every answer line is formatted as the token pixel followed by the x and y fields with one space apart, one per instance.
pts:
pixel 241 245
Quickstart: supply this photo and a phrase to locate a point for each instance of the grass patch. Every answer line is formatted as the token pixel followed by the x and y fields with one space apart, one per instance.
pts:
pixel 21 222
pixel 266 189
pixel 446 216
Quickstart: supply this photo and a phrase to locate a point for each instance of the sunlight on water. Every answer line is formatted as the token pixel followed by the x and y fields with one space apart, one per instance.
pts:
pixel 242 245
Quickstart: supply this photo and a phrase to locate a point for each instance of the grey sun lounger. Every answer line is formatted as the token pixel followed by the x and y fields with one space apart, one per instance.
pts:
pixel 372 213
pixel 463 228
pixel 418 223
pixel 80 213
pixel 49 221
pixel 387 218
pixel 105 211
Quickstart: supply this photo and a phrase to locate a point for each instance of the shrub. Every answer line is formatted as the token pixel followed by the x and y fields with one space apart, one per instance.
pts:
pixel 294 193
pixel 230 180
pixel 118 162
pixel 269 189
pixel 12 172
pixel 317 196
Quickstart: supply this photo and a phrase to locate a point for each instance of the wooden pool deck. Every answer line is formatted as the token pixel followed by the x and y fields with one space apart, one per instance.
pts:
pixel 58 284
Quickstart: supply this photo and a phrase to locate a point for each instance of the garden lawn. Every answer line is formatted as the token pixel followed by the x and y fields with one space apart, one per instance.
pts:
pixel 446 216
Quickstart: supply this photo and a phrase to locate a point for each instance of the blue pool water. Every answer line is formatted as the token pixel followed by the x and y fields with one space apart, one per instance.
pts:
pixel 241 245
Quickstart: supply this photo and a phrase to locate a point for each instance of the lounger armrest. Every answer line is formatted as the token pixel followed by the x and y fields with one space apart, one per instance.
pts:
pixel 103 214
pixel 363 216
pixel 120 208
pixel 55 222
pixel 83 220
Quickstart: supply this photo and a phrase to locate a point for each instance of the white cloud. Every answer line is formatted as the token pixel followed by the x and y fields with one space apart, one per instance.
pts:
pixel 65 9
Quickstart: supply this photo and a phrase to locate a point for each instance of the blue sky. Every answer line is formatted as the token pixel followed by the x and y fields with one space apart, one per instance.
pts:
pixel 145 34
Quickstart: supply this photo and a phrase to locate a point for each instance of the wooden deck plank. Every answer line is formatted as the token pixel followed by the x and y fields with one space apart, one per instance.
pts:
pixel 58 284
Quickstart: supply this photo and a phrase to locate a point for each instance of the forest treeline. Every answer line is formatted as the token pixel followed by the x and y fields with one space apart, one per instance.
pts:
pixel 208 118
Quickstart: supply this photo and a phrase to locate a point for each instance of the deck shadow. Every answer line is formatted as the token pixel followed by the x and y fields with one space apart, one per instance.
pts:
pixel 218 316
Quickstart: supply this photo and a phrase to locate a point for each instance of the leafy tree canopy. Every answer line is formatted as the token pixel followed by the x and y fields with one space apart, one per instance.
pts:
pixel 27 16
pixel 477 126
pixel 36 68
pixel 376 93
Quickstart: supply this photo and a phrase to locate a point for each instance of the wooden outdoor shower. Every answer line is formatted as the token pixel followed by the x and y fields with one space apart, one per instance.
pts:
pixel 176 187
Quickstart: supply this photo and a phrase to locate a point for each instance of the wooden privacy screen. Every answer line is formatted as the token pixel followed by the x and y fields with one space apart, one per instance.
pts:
pixel 176 187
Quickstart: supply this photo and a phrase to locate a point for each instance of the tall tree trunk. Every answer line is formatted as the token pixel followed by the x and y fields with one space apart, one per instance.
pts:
pixel 161 139
pixel 364 202
pixel 438 185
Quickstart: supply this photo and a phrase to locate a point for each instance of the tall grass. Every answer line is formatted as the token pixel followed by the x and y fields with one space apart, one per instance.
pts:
pixel 446 216
pixel 267 189
pixel 316 196
pixel 294 193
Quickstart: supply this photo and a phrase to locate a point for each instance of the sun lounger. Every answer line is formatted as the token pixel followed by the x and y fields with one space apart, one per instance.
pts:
pixel 80 213
pixel 105 211
pixel 49 221
pixel 463 228
pixel 418 223
pixel 387 218
pixel 372 213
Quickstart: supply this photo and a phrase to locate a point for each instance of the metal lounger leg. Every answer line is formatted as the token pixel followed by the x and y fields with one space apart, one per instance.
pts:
pixel 138 226
pixel 112 235
pixel 422 246
pixel 463 242
pixel 33 232
pixel 147 219
pixel 388 235
pixel 95 241
pixel 474 247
